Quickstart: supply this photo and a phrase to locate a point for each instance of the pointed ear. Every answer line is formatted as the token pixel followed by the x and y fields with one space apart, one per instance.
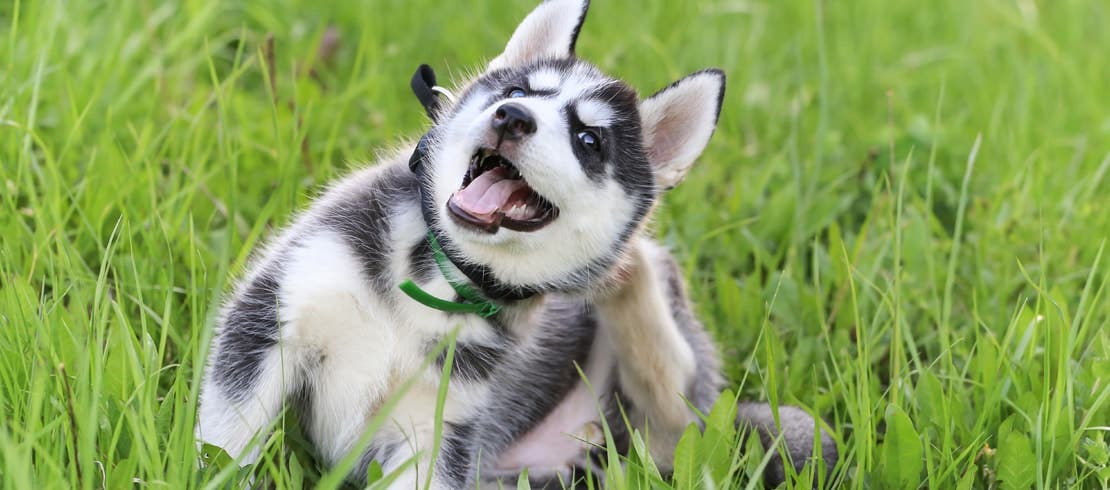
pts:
pixel 550 31
pixel 678 121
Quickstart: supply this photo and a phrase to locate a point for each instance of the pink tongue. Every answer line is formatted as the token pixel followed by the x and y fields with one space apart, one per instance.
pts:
pixel 487 193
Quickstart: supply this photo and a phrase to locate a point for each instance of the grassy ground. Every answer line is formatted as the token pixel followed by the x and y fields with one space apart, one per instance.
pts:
pixel 900 224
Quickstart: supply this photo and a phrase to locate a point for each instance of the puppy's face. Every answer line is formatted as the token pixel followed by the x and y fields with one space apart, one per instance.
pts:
pixel 540 170
pixel 545 166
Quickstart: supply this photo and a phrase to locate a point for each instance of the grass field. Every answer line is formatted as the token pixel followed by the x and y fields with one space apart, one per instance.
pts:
pixel 901 223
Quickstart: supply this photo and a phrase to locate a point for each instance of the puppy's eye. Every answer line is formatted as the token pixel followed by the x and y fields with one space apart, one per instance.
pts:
pixel 590 140
pixel 515 92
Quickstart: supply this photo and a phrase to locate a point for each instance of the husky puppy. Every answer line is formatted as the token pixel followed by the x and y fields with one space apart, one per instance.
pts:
pixel 518 229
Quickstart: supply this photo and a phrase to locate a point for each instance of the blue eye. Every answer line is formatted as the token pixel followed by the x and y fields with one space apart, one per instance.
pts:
pixel 515 92
pixel 590 140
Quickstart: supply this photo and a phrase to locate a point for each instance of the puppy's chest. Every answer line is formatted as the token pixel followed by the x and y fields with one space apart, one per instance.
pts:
pixel 475 347
pixel 480 344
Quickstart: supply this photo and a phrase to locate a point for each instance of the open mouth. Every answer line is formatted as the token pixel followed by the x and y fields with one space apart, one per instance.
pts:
pixel 494 195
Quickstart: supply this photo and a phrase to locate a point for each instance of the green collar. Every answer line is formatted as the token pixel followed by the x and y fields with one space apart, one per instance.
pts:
pixel 473 302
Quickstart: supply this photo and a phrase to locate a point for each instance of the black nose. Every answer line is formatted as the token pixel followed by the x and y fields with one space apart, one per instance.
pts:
pixel 512 121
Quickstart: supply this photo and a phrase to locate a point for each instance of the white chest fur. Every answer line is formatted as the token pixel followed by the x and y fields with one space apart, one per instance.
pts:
pixel 360 349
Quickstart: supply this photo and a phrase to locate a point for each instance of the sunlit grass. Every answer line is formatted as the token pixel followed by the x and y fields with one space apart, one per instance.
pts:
pixel 900 224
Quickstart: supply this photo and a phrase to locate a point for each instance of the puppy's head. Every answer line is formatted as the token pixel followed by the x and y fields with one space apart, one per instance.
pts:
pixel 545 166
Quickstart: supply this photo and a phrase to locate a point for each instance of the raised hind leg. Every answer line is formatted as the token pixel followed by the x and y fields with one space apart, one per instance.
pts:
pixel 665 357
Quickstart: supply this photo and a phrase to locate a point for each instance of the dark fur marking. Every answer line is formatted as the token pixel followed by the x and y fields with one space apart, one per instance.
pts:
pixel 624 139
pixel 456 452
pixel 621 141
pixel 497 81
pixel 473 362
pixel 554 373
pixel 578 26
pixel 592 163
pixel 517 402
pixel 615 406
pixel 377 451
pixel 247 333
pixel 422 263
pixel 363 220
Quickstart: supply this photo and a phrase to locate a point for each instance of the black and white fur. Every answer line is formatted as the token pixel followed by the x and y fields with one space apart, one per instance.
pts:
pixel 318 320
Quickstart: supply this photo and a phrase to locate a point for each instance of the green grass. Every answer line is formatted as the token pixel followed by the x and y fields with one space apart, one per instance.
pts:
pixel 900 224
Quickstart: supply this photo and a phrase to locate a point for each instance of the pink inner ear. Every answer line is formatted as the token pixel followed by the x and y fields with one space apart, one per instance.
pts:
pixel 667 139
pixel 678 122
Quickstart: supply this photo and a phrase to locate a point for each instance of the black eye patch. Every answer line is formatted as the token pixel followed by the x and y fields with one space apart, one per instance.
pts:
pixel 621 154
pixel 591 155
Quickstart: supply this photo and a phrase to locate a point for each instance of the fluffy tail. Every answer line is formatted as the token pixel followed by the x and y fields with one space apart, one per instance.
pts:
pixel 797 437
